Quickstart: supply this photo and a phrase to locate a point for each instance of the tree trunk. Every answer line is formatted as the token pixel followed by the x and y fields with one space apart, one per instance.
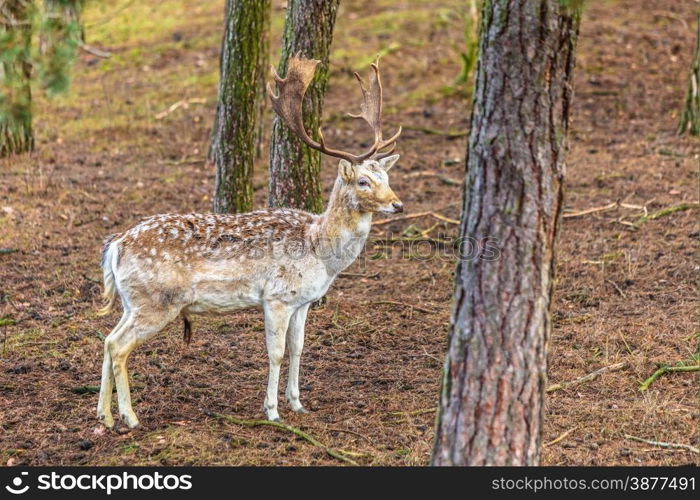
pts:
pixel 70 12
pixel 263 76
pixel 493 385
pixel 244 59
pixel 16 134
pixel 294 167
pixel 690 117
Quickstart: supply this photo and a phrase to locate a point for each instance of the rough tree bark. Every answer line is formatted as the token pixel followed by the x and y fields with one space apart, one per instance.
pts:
pixel 16 135
pixel 294 167
pixel 494 379
pixel 235 135
pixel 690 117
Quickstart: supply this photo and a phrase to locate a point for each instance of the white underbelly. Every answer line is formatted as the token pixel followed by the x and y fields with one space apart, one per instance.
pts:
pixel 223 303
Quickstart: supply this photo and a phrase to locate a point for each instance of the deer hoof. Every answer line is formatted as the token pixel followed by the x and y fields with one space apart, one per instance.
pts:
pixel 130 420
pixel 106 420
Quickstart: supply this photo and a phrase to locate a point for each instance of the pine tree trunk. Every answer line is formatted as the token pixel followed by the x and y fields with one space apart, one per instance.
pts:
pixel 294 167
pixel 263 77
pixel 16 135
pixel 70 12
pixel 492 393
pixel 235 135
pixel 690 117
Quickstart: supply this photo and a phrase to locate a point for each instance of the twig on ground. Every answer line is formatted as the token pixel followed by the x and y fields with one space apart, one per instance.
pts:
pixel 445 219
pixel 410 239
pixel 666 369
pixel 587 378
pixel 415 216
pixel 412 413
pixel 619 290
pixel 353 453
pixel 664 212
pixel 185 103
pixel 95 51
pixel 450 134
pixel 580 213
pixel 402 304
pixel 403 217
pixel 427 354
pixel 661 444
pixel 559 438
pixel 278 425
pixel 360 275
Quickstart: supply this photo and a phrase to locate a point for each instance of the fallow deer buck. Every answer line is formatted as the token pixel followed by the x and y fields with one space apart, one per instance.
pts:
pixel 282 260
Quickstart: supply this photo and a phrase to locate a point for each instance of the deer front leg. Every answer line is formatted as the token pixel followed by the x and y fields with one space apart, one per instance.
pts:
pixel 295 339
pixel 277 316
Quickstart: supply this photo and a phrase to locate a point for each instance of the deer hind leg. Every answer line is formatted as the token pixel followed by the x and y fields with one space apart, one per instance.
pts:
pixel 104 405
pixel 295 339
pixel 277 317
pixel 140 328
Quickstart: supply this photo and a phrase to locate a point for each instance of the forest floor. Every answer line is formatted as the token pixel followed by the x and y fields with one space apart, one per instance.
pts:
pixel 116 149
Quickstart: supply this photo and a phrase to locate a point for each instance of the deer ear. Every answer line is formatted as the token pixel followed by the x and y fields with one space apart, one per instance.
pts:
pixel 388 162
pixel 346 171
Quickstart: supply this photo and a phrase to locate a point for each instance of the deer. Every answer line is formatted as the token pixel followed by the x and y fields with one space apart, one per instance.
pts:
pixel 280 260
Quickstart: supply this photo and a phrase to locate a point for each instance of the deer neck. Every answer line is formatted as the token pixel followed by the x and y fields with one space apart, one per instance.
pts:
pixel 342 229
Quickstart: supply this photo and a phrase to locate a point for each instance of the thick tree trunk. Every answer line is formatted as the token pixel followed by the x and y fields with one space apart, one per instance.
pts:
pixel 16 134
pixel 690 117
pixel 492 393
pixel 235 135
pixel 294 167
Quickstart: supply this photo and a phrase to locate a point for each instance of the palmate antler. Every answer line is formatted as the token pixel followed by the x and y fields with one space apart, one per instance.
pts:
pixel 288 105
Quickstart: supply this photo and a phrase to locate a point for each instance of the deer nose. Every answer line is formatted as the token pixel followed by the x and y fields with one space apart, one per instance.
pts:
pixel 398 207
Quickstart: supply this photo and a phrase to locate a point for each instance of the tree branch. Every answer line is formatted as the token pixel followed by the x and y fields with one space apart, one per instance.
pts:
pixel 587 378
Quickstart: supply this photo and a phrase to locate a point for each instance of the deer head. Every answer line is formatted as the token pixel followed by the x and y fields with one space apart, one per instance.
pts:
pixel 364 176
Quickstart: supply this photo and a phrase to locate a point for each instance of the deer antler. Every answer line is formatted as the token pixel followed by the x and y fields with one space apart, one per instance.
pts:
pixel 372 111
pixel 288 105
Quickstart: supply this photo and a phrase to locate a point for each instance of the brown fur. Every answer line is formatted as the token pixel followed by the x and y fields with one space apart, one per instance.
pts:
pixel 183 238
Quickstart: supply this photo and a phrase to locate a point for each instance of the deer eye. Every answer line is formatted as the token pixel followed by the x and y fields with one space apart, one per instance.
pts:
pixel 363 182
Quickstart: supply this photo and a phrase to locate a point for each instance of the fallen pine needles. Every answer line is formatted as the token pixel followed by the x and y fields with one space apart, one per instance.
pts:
pixel 337 454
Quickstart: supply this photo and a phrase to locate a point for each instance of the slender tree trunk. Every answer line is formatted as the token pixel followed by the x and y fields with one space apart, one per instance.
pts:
pixel 294 167
pixel 244 57
pixel 263 77
pixel 690 117
pixel 16 134
pixel 70 12
pixel 492 392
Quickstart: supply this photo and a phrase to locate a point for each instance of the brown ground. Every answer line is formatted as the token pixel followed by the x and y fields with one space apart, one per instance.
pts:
pixel 103 161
